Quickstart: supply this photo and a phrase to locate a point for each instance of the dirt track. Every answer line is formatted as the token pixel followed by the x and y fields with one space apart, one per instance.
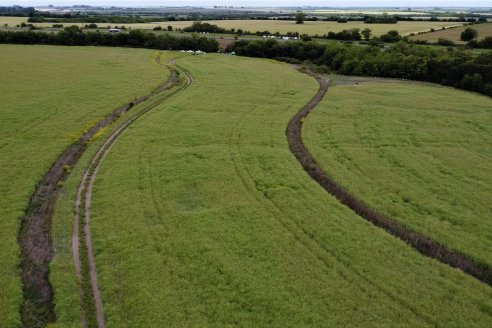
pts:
pixel 83 205
pixel 37 308
pixel 422 244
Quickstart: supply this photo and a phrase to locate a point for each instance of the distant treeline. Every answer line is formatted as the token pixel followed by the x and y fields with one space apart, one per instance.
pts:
pixel 393 36
pixel 17 11
pixel 451 67
pixel 46 17
pixel 73 36
pixel 393 19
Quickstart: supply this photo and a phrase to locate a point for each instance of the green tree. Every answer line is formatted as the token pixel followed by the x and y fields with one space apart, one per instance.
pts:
pixel 366 33
pixel 391 36
pixel 306 38
pixel 469 34
pixel 472 82
pixel 300 17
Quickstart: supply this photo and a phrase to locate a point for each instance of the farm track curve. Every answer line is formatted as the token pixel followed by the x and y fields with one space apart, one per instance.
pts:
pixel 35 242
pixel 83 209
pixel 419 242
pixel 310 243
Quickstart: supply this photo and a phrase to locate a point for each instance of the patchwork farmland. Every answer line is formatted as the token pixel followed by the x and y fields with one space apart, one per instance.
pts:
pixel 454 34
pixel 151 188
pixel 273 26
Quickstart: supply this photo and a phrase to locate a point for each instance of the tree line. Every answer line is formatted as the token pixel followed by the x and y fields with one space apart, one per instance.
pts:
pixel 458 68
pixel 393 36
pixel 74 36
pixel 17 11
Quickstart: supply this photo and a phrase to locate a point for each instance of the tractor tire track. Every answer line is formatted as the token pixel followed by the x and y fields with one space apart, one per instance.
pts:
pixel 83 205
pixel 35 242
pixel 419 242
pixel 306 238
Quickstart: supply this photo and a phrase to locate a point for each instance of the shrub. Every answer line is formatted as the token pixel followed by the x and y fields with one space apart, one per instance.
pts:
pixel 352 34
pixel 445 42
pixel 67 169
pixel 485 43
pixel 306 38
pixel 288 60
pixel 468 34
pixel 391 37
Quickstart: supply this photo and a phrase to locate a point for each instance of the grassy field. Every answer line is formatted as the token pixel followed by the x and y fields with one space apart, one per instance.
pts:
pixel 50 96
pixel 201 216
pixel 421 154
pixel 312 28
pixel 12 21
pixel 453 34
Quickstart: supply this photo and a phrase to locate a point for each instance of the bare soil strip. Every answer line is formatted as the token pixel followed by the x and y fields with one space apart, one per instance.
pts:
pixel 422 244
pixel 84 197
pixel 37 308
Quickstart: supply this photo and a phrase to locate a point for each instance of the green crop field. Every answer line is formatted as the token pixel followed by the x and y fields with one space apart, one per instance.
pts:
pixel 50 96
pixel 312 28
pixel 201 216
pixel 418 153
pixel 453 34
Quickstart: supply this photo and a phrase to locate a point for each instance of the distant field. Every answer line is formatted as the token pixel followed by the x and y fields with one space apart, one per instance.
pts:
pixel 50 96
pixel 454 34
pixel 201 216
pixel 11 21
pixel 283 27
pixel 421 154
pixel 311 28
pixel 366 12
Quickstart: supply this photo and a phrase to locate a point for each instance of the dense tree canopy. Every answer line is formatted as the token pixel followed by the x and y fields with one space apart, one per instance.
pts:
pixel 74 36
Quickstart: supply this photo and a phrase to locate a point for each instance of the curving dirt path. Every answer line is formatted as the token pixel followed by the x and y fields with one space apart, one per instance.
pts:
pixel 37 308
pixel 83 205
pixel 419 242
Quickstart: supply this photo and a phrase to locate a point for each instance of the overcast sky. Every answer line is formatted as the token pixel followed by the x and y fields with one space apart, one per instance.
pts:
pixel 263 3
